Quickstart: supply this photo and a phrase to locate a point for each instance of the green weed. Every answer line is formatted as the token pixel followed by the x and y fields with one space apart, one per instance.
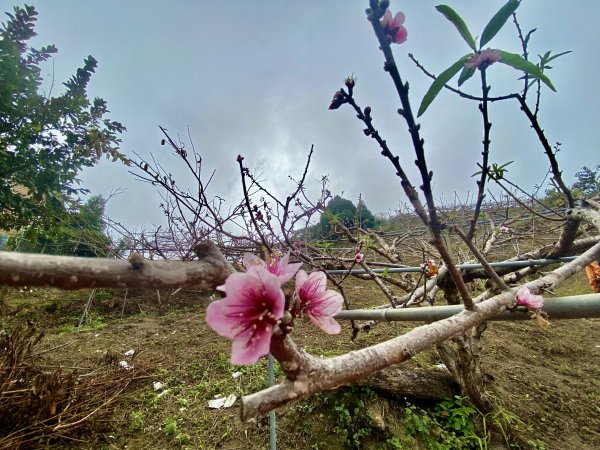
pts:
pixel 137 421
pixel 350 416
pixel 170 426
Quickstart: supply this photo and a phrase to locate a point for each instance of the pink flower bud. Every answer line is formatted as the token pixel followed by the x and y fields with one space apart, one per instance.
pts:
pixel 394 28
pixel 524 297
pixel 483 59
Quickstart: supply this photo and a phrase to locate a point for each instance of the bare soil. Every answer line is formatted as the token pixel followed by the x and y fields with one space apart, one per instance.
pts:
pixel 546 381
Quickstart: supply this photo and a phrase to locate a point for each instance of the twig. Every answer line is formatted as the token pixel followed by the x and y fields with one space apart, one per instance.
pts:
pixel 488 269
pixel 413 128
pixel 483 107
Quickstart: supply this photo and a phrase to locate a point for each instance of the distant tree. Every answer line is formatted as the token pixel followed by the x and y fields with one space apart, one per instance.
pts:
pixel 81 232
pixel 343 209
pixel 587 184
pixel 45 141
pixel 346 213
pixel 588 180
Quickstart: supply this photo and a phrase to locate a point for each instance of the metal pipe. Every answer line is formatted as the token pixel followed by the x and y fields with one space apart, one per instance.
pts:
pixel 571 307
pixel 524 263
pixel 272 428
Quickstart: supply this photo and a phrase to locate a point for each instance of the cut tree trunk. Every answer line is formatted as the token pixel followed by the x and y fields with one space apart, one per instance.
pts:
pixel 421 384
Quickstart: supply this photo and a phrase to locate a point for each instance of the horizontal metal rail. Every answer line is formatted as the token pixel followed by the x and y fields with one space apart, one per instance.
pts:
pixel 571 307
pixel 524 263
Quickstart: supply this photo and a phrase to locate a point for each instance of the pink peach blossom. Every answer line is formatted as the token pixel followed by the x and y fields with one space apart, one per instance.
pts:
pixel 253 305
pixel 484 59
pixel 393 27
pixel 358 257
pixel 278 265
pixel 317 302
pixel 526 298
pixel 429 267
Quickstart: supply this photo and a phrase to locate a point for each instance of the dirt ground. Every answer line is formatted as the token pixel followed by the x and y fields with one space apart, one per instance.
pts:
pixel 546 381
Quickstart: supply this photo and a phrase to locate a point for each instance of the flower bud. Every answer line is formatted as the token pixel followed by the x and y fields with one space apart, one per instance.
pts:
pixel 338 100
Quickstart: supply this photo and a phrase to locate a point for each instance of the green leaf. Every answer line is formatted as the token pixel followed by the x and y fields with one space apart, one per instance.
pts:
pixel 556 56
pixel 439 83
pixel 498 21
pixel 459 23
pixel 517 62
pixel 543 58
pixel 466 73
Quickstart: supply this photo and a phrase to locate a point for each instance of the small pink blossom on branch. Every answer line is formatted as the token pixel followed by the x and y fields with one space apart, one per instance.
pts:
pixel 504 229
pixel 483 59
pixel 277 265
pixel 253 305
pixel 524 297
pixel 429 268
pixel 393 27
pixel 318 303
pixel 358 257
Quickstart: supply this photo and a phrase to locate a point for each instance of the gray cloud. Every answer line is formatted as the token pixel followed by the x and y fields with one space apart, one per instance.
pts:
pixel 256 78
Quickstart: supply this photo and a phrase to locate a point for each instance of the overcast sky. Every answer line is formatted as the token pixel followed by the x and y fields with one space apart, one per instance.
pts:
pixel 256 78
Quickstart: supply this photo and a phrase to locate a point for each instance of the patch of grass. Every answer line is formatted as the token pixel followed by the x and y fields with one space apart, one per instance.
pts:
pixel 183 438
pixel 576 285
pixel 94 322
pixel 104 295
pixel 150 399
pixel 350 415
pixel 137 421
pixel 208 388
pixel 170 426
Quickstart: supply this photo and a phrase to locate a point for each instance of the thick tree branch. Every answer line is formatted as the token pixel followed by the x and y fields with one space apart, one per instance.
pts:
pixel 312 375
pixel 67 272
